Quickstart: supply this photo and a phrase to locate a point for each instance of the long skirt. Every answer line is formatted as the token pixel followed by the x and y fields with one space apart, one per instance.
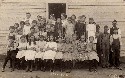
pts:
pixel 20 54
pixel 30 55
pixel 49 55
pixel 39 55
pixel 93 55
pixel 67 57
pixel 59 55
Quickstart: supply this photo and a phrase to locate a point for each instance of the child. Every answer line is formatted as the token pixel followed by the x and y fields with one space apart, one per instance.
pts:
pixel 30 53
pixel 115 46
pixel 80 27
pixel 92 55
pixel 40 48
pixel 82 55
pixel 22 49
pixel 16 25
pixel 75 49
pixel 50 53
pixel 26 29
pixel 105 47
pixel 69 28
pixel 22 23
pixel 52 19
pixel 64 22
pixel 11 53
pixel 59 54
pixel 91 28
pixel 73 17
pixel 58 28
pixel 67 56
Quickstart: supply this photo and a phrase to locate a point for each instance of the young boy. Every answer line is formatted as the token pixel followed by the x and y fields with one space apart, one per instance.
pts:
pixel 105 47
pixel 115 47
pixel 11 49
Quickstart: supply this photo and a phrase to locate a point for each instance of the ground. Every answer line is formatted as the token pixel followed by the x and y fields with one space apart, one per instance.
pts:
pixel 83 73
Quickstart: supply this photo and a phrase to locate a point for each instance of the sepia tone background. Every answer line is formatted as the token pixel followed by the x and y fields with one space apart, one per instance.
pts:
pixel 103 12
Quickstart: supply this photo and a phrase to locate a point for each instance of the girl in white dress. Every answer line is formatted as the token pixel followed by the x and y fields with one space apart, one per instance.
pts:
pixel 91 29
pixel 59 54
pixel 30 53
pixel 50 53
pixel 26 29
pixel 67 56
pixel 22 50
pixel 92 55
pixel 40 49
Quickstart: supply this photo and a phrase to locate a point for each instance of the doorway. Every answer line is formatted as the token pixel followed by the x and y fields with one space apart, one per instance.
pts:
pixel 56 9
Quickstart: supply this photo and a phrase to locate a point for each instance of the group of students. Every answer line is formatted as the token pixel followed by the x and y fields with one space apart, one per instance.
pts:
pixel 62 43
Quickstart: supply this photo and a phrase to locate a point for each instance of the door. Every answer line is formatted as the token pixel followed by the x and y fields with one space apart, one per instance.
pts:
pixel 56 9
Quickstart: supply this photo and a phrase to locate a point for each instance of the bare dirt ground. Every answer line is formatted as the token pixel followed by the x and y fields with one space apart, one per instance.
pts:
pixel 81 73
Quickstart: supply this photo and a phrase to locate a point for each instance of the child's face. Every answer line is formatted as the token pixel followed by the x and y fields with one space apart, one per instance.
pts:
pixel 19 32
pixel 58 20
pixel 27 24
pixel 67 40
pixel 74 37
pixel 11 40
pixel 34 24
pixel 91 39
pixel 51 38
pixel 73 17
pixel 60 40
pixel 69 21
pixel 32 30
pixel 28 16
pixel 83 19
pixel 62 17
pixel 41 39
pixel 32 38
pixel 16 26
pixel 82 38
pixel 105 30
pixel 91 21
pixel 12 30
pixel 23 40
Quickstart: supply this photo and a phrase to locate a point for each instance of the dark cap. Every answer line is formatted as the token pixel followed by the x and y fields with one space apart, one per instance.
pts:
pixel 114 21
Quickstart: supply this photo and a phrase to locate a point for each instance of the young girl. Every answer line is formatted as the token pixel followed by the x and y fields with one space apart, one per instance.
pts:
pixel 16 25
pixel 82 55
pixel 91 29
pixel 75 49
pixel 50 53
pixel 115 46
pixel 92 55
pixel 26 29
pixel 40 48
pixel 30 53
pixel 69 28
pixel 67 56
pixel 59 54
pixel 22 49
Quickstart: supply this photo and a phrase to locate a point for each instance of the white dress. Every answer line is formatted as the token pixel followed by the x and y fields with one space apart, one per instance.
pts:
pixel 30 54
pixel 50 54
pixel 26 30
pixel 20 53
pixel 91 28
pixel 40 48
pixel 59 54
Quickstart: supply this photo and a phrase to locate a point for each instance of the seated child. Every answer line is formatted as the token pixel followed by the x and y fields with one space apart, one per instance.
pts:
pixel 40 49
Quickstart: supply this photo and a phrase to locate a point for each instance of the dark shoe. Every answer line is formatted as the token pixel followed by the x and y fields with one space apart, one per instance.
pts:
pixel 31 70
pixel 3 69
pixel 27 69
pixel 12 70
pixel 119 68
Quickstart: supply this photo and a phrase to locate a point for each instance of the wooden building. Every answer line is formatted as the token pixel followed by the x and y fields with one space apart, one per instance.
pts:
pixel 103 12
